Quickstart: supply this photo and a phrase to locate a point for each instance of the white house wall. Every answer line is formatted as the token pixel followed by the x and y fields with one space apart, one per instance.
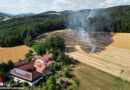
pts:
pixel 16 79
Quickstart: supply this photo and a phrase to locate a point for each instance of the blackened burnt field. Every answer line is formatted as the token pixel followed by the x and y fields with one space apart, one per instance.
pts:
pixel 72 37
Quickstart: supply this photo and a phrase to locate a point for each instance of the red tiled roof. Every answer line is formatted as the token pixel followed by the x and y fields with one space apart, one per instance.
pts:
pixel 26 75
pixel 18 64
pixel 27 66
pixel 39 66
pixel 48 63
pixel 46 57
pixel 36 75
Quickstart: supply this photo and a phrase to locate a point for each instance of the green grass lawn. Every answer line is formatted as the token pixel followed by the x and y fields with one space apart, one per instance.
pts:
pixel 93 79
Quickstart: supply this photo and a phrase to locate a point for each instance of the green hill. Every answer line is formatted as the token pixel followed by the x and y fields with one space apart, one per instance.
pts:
pixel 22 30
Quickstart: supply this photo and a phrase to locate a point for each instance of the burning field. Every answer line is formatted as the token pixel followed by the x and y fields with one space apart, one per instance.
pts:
pixel 111 54
pixel 14 53
pixel 73 37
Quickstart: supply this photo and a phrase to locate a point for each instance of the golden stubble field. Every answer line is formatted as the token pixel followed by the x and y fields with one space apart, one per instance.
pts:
pixel 115 59
pixel 121 40
pixel 13 53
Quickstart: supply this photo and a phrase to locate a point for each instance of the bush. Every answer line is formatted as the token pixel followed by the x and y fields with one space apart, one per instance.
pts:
pixel 10 65
pixel 25 84
pixel 29 55
pixel 77 82
pixel 54 67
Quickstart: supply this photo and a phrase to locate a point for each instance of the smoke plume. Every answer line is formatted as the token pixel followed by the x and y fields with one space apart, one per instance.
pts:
pixel 88 21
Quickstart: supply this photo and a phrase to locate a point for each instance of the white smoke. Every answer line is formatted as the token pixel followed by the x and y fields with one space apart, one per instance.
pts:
pixel 82 22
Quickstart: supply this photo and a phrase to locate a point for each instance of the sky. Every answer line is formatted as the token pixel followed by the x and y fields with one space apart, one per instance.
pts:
pixel 39 6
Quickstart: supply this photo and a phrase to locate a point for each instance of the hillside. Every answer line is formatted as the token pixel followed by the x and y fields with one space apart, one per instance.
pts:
pixel 23 15
pixel 24 30
pixel 4 16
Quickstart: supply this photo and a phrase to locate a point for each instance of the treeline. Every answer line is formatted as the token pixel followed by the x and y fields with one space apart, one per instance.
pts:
pixel 114 19
pixel 117 19
pixel 23 30
pixel 120 18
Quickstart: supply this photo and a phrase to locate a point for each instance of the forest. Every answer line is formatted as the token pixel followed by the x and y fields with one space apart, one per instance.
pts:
pixel 24 30
pixel 19 31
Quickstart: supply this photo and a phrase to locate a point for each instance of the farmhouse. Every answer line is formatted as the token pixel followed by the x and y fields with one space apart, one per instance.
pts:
pixel 32 72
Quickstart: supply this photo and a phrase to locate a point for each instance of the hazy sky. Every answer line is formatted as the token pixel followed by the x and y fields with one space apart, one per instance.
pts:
pixel 37 6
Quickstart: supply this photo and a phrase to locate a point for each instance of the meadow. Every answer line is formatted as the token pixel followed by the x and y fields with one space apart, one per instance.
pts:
pixel 94 79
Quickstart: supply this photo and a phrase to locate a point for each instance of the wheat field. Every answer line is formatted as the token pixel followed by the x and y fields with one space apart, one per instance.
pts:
pixel 13 53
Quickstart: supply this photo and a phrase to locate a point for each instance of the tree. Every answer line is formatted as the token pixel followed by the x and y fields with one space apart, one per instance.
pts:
pixel 51 80
pixel 25 84
pixel 66 72
pixel 29 55
pixel 56 43
pixel 44 88
pixel 54 67
pixel 51 84
pixel 1 68
pixel 51 87
pixel 10 65
pixel 16 84
pixel 4 76
pixel 39 48
pixel 60 56
pixel 53 44
pixel 28 40
pixel 5 67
